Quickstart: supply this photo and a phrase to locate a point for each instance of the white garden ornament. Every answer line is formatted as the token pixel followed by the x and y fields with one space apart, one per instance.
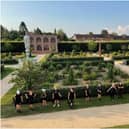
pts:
pixel 27 44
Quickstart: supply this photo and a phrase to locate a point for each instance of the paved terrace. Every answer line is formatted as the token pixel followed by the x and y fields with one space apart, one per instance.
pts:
pixel 105 116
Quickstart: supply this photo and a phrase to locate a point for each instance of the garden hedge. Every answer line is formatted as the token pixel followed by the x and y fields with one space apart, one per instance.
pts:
pixel 9 61
pixel 120 57
pixel 18 46
pixel 127 62
pixel 75 60
pixel 79 92
pixel 13 46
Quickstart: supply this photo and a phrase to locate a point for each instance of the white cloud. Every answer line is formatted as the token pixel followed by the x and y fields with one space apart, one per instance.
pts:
pixel 120 29
pixel 123 29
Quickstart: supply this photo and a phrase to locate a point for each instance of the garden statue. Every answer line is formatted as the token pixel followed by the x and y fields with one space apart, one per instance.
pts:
pixel 27 44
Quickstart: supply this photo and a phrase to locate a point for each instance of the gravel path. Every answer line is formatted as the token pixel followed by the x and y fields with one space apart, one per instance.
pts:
pixel 122 67
pixel 105 116
pixel 5 85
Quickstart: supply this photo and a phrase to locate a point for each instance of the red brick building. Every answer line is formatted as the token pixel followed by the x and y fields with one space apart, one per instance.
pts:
pixel 43 43
pixel 99 37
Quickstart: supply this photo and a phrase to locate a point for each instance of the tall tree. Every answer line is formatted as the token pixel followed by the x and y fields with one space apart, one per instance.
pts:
pixel 61 35
pixel 92 46
pixel 27 76
pixel 104 32
pixel 37 31
pixel 23 28
pixel 55 31
pixel 4 32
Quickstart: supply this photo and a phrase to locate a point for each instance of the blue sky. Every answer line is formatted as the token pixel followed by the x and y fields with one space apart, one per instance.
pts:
pixel 72 17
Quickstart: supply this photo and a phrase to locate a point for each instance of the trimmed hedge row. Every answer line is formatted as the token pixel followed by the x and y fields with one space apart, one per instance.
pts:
pixel 127 62
pixel 12 47
pixel 78 60
pixel 120 57
pixel 65 46
pixel 79 93
pixel 83 46
pixel 9 61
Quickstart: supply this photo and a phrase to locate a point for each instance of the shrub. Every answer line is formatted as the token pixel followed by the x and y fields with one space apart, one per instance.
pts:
pixel 47 85
pixel 92 46
pixel 108 47
pixel 79 92
pixel 78 74
pixel 93 76
pixel 86 76
pixel 110 73
pixel 59 66
pixel 70 80
pixel 2 67
pixel 9 61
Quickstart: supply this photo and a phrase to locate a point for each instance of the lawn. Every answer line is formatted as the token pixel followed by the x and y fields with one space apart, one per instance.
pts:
pixel 7 71
pixel 120 126
pixel 8 110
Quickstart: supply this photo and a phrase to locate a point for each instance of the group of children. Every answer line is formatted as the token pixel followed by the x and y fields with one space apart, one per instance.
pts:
pixel 56 95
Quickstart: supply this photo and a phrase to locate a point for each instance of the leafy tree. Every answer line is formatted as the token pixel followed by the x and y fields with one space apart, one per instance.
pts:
pixel 61 35
pixel 92 46
pixel 110 73
pixel 114 34
pixel 7 47
pixel 91 34
pixel 13 35
pixel 28 76
pixel 4 33
pixel 76 48
pixel 55 31
pixel 23 28
pixel 104 33
pixel 37 31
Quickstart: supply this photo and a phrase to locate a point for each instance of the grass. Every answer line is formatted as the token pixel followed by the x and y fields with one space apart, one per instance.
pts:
pixel 111 41
pixel 121 126
pixel 7 71
pixel 8 109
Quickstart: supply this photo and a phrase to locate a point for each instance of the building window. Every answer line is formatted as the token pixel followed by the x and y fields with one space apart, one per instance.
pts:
pixel 39 48
pixel 45 40
pixel 38 40
pixel 32 47
pixel 46 47
pixel 31 39
pixel 53 40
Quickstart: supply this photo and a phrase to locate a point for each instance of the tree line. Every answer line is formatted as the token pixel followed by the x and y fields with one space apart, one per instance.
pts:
pixel 18 35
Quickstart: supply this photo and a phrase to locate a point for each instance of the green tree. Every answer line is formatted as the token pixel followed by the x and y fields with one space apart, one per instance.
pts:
pixel 13 35
pixel 7 47
pixel 28 76
pixel 110 73
pixel 104 32
pixel 37 31
pixel 91 34
pixel 61 35
pixel 92 46
pixel 4 33
pixel 76 48
pixel 23 28
pixel 55 31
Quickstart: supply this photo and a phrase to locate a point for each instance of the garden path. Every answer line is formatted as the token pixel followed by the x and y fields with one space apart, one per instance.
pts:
pixel 105 116
pixel 122 67
pixel 4 83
